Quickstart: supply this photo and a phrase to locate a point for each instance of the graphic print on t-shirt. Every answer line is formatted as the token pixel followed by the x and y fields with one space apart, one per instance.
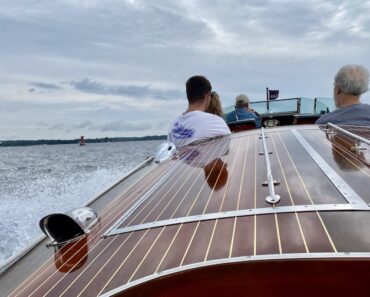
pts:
pixel 180 132
pixel 189 156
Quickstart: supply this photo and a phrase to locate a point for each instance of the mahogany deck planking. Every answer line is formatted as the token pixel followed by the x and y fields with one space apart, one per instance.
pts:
pixel 219 246
pixel 178 248
pixel 243 243
pixel 292 240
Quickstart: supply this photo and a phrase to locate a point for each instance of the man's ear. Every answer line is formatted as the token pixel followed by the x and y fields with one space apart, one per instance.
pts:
pixel 337 90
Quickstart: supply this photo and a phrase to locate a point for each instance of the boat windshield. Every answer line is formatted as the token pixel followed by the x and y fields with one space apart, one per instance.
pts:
pixel 324 105
pixel 300 105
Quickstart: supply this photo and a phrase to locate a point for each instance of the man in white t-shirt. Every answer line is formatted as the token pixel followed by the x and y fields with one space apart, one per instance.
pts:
pixel 195 124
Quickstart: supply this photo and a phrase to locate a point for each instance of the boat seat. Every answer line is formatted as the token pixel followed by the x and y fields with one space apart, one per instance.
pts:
pixel 305 119
pixel 242 125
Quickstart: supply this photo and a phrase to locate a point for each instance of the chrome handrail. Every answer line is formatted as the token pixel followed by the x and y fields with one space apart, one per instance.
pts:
pixel 272 198
pixel 349 134
pixel 357 148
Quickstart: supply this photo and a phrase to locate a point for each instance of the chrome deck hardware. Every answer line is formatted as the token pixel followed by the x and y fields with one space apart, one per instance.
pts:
pixel 165 152
pixel 332 129
pixel 62 228
pixel 272 198
pixel 357 148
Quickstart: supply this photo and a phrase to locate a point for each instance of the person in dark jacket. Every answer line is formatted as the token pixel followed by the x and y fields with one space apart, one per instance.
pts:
pixel 243 111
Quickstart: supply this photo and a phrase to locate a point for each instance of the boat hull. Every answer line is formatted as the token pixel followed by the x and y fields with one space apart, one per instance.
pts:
pixel 313 277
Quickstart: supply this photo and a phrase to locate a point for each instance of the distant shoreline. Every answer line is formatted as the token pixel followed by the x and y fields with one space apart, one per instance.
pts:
pixel 7 143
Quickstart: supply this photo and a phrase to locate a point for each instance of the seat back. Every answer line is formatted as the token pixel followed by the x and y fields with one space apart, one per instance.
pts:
pixel 242 125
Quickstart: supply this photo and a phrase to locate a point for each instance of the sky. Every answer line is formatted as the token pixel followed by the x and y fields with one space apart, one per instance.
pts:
pixel 118 68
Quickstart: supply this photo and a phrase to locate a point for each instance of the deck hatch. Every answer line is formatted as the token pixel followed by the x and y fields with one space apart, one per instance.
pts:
pixel 238 155
pixel 348 193
pixel 140 201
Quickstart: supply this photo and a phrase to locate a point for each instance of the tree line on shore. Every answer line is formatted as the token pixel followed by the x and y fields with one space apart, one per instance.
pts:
pixel 77 141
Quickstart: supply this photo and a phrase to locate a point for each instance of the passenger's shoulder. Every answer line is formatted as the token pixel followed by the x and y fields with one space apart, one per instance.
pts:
pixel 212 120
pixel 216 119
pixel 324 118
pixel 365 105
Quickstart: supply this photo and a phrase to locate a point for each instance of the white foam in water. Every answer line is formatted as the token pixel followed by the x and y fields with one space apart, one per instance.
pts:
pixel 39 180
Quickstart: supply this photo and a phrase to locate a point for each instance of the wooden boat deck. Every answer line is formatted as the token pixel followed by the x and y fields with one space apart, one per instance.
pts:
pixel 221 179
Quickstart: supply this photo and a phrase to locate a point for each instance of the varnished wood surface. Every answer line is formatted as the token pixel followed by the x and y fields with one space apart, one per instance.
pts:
pixel 218 176
pixel 243 126
pixel 273 278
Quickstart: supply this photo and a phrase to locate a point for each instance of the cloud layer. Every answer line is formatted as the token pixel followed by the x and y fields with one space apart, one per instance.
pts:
pixel 122 65
pixel 139 92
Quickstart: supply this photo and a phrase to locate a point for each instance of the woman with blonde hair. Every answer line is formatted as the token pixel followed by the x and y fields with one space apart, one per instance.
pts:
pixel 215 105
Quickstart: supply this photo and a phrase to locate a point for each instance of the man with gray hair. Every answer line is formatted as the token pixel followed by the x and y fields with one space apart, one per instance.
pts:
pixel 350 82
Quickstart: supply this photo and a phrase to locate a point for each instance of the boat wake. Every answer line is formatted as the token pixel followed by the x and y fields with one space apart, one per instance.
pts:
pixel 48 179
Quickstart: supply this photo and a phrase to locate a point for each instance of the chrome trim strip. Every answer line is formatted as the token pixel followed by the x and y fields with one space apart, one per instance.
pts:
pixel 296 256
pixel 139 202
pixel 272 198
pixel 239 213
pixel 349 134
pixel 345 189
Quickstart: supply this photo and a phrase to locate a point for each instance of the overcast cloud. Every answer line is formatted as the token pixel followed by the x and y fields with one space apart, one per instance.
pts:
pixel 139 92
pixel 118 68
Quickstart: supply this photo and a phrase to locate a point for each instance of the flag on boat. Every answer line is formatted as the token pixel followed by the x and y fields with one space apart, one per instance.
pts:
pixel 273 94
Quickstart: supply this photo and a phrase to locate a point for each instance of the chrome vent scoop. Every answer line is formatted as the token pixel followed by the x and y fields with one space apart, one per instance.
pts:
pixel 166 150
pixel 62 228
